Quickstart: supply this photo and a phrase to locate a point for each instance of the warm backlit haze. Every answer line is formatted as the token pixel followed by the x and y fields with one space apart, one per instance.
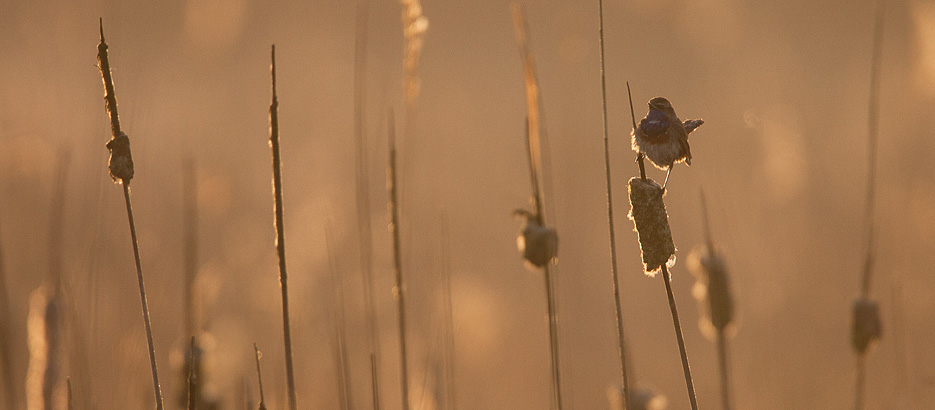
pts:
pixel 782 159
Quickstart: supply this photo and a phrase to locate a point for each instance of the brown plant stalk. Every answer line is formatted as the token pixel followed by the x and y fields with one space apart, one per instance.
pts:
pixel 399 290
pixel 618 309
pixel 280 232
pixel 121 168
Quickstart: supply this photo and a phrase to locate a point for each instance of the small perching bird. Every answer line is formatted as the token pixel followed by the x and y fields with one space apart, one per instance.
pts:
pixel 662 137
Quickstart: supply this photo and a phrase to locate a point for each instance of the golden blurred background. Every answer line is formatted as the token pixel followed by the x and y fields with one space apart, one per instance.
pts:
pixel 782 159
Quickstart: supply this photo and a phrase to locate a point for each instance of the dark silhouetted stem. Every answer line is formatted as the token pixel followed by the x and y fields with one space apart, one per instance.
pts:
pixel 610 220
pixel 110 99
pixel 364 226
pixel 374 383
pixel 190 193
pixel 725 374
pixel 398 265
pixel 639 156
pixel 681 341
pixel 872 136
pixel 280 233
pixel 143 302
pixel 192 398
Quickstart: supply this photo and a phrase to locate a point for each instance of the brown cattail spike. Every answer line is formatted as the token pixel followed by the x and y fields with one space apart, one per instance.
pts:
pixel 866 328
pixel 712 290
pixel 121 162
pixel 648 212
pixel 537 243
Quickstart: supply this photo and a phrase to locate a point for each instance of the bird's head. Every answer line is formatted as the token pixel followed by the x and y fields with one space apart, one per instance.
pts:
pixel 661 104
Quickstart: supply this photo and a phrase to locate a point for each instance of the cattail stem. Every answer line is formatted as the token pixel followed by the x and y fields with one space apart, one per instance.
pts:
pixel 872 136
pixel 280 232
pixel 374 383
pixel 190 193
pixel 859 383
pixel 364 226
pixel 192 397
pixel 110 99
pixel 610 219
pixel 143 302
pixel 681 341
pixel 553 337
pixel 639 156
pixel 451 359
pixel 398 264
pixel 725 375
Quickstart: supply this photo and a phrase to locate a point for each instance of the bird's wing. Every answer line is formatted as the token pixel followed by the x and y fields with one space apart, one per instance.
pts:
pixel 680 133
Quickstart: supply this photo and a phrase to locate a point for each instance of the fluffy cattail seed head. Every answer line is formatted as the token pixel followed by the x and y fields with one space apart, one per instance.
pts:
pixel 711 290
pixel 648 212
pixel 537 243
pixel 866 328
pixel 121 162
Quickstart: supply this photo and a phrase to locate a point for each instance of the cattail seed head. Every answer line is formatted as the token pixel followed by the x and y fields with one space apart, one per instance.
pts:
pixel 711 290
pixel 121 162
pixel 648 212
pixel 866 328
pixel 537 243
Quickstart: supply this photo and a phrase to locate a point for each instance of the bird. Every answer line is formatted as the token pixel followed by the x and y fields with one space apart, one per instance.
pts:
pixel 662 137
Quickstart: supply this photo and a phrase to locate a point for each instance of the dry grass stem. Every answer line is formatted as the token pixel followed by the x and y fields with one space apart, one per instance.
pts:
pixel 121 170
pixel 340 353
pixel 866 325
pixel 399 290
pixel 280 232
pixel 192 394
pixel 618 309
pixel 362 176
pixel 259 376
pixel 538 242
pixel 45 336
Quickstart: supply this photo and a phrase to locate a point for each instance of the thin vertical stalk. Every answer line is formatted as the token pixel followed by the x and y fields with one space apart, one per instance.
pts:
pixel 110 99
pixel 146 320
pixel 450 396
pixel 192 397
pixel 259 376
pixel 374 384
pixel 722 362
pixel 681 341
pixel 873 119
pixel 533 147
pixel 69 395
pixel 345 395
pixel 610 220
pixel 364 225
pixel 873 137
pixel 280 232
pixel 190 194
pixel 639 156
pixel 398 263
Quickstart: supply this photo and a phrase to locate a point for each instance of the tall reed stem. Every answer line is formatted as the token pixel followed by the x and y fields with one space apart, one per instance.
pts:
pixel 398 264
pixel 725 375
pixel 364 225
pixel 259 376
pixel 280 232
pixel 110 99
pixel 610 220
pixel 681 341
